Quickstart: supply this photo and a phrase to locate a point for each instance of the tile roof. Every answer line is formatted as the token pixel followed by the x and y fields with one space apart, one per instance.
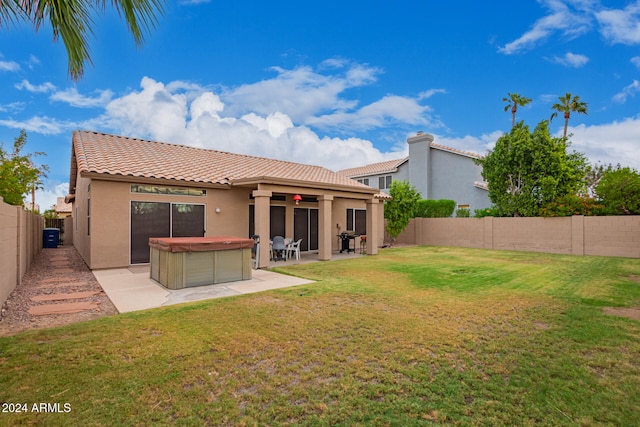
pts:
pixel 61 206
pixel 391 166
pixel 455 151
pixel 112 155
pixel 375 168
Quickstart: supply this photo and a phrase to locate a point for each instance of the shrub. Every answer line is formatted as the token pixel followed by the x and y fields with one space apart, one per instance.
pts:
pixel 619 191
pixel 572 204
pixel 463 213
pixel 434 208
pixel 481 213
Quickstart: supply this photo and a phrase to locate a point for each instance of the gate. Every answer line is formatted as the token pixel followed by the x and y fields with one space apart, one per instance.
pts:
pixel 56 223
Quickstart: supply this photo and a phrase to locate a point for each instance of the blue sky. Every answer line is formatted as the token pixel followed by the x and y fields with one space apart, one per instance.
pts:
pixel 338 84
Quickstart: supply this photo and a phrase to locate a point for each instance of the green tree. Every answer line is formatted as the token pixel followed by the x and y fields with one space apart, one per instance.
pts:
pixel 514 100
pixel 18 174
pixel 527 170
pixel 619 191
pixel 71 20
pixel 50 214
pixel 572 204
pixel 567 105
pixel 428 208
pixel 595 174
pixel 399 211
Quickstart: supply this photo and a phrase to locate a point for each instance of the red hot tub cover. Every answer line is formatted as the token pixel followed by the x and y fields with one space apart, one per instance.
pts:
pixel 199 244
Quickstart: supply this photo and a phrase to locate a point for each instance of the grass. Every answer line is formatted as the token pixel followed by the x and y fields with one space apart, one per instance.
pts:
pixel 413 336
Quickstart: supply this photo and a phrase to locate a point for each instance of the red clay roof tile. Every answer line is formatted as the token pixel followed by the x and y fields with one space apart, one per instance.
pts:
pixel 106 154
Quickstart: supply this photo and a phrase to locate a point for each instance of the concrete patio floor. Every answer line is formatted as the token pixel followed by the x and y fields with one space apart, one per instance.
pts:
pixel 131 289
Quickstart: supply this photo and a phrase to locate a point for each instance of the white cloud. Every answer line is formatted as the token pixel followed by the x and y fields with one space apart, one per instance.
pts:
pixel 154 110
pixel 42 88
pixel 621 25
pixel 627 91
pixel 72 97
pixel 571 60
pixel 429 93
pixel 615 142
pixel 388 110
pixel 636 61
pixel 9 66
pixel 570 23
pixel 299 93
pixel 44 125
pixel 479 145
pixel 12 107
pixel 48 196
pixel 573 18
pixel 164 112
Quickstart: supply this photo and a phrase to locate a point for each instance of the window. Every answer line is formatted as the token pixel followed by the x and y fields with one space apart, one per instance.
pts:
pixel 162 219
pixel 161 189
pixel 384 182
pixel 364 181
pixel 357 221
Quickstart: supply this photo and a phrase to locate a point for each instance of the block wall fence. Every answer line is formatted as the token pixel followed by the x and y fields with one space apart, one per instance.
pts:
pixel 577 235
pixel 20 242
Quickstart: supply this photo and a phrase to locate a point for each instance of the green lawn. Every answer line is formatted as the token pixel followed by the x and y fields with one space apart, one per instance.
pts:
pixel 413 336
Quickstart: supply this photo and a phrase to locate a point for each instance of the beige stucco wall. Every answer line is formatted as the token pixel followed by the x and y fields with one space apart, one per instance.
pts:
pixel 79 213
pixel 21 241
pixel 108 244
pixel 578 235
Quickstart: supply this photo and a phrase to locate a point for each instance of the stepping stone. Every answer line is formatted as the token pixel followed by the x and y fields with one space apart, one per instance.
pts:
pixel 63 270
pixel 63 283
pixel 66 308
pixel 56 297
pixel 54 279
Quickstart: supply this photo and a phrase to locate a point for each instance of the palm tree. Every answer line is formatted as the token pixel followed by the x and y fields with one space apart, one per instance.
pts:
pixel 513 101
pixel 566 106
pixel 71 20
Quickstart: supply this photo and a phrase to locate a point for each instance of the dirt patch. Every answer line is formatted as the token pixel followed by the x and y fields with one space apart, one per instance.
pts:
pixel 631 313
pixel 635 278
pixel 57 281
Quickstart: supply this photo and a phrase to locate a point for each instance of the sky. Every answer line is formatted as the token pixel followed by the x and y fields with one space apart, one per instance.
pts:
pixel 337 83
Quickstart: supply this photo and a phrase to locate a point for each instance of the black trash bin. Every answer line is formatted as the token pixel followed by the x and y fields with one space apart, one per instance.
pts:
pixel 50 237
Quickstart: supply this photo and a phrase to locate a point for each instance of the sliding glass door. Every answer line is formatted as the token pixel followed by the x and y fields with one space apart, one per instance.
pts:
pixel 157 219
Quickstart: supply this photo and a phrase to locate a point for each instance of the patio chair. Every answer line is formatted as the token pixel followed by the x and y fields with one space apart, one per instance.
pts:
pixel 278 249
pixel 294 248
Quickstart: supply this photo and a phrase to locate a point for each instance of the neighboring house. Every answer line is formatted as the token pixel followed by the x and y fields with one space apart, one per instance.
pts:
pixel 61 208
pixel 436 171
pixel 126 190
pixel 32 207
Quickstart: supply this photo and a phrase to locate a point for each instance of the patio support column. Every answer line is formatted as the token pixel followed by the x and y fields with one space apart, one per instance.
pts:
pixel 373 226
pixel 324 227
pixel 262 223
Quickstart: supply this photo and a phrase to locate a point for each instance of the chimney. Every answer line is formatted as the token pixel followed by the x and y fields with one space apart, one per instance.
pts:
pixel 420 162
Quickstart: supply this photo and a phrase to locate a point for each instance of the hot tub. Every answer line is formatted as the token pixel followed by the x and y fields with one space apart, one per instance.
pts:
pixel 183 262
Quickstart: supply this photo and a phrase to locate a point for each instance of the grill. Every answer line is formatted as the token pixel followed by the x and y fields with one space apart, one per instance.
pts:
pixel 348 240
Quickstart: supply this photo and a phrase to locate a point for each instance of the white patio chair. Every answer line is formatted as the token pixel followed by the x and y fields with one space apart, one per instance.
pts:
pixel 294 248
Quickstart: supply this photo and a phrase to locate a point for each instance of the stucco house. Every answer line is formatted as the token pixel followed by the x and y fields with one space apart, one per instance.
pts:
pixel 61 208
pixel 126 190
pixel 436 171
